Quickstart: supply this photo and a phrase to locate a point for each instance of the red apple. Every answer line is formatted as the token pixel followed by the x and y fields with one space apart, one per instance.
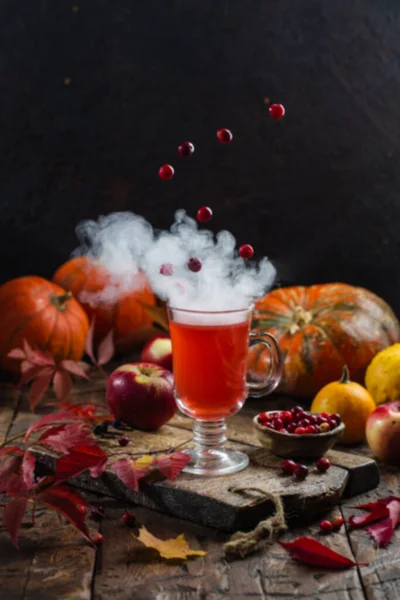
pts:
pixel 159 352
pixel 141 395
pixel 383 432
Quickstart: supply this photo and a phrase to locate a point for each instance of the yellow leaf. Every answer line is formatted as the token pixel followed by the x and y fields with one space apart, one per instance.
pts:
pixel 175 548
pixel 144 462
pixel 157 313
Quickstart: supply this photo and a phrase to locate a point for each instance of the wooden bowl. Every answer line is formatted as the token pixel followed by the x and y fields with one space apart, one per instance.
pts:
pixel 290 445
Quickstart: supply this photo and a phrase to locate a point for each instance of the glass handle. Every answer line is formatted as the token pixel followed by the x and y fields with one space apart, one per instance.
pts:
pixel 273 377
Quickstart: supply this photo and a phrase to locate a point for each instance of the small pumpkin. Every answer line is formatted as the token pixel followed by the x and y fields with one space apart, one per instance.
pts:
pixel 45 315
pixel 351 401
pixel 321 328
pixel 87 279
pixel 382 378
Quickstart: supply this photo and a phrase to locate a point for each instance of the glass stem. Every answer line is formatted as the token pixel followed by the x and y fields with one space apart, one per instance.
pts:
pixel 209 435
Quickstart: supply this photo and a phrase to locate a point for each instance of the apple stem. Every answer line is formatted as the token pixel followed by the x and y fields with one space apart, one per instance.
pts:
pixel 345 378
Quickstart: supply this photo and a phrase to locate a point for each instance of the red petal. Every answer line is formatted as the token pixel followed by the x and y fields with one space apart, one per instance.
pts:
pixel 66 502
pixel 50 420
pixel 382 532
pixel 62 384
pixel 89 341
pixel 12 517
pixel 106 349
pixel 311 552
pixel 81 458
pixel 74 368
pixel 125 470
pixel 40 386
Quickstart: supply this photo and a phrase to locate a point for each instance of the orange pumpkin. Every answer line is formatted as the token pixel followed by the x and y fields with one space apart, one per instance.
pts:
pixel 126 315
pixel 45 315
pixel 320 329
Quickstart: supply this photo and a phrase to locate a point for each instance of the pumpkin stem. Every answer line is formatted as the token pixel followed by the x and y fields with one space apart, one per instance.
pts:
pixel 59 301
pixel 345 378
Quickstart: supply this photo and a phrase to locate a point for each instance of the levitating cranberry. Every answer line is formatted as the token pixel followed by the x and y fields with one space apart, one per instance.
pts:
pixel 195 265
pixel 337 522
pixel 288 466
pixel 129 519
pixel 276 111
pixel 326 526
pixel 286 416
pixel 300 472
pixel 323 464
pixel 277 424
pixel 123 440
pixel 224 136
pixel 246 251
pixel 291 427
pixel 186 149
pixel 204 214
pixel 167 269
pixel 324 428
pixel 166 172
pixel 311 429
pixel 98 539
pixel 299 430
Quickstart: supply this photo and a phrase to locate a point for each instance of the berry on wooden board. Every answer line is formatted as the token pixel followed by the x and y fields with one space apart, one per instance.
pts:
pixel 98 539
pixel 300 472
pixel 123 440
pixel 166 172
pixel 337 522
pixel 288 466
pixel 129 519
pixel 224 136
pixel 204 214
pixel 326 526
pixel 323 464
pixel 186 149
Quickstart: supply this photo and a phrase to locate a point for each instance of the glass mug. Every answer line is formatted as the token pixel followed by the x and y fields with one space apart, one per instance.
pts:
pixel 210 353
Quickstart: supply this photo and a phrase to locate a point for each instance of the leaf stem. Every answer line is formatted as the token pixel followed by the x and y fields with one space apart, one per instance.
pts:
pixel 12 439
pixel 162 451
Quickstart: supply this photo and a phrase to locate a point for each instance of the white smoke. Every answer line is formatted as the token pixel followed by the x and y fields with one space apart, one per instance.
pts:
pixel 125 243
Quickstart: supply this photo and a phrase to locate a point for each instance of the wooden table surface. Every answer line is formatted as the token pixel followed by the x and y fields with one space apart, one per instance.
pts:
pixel 54 562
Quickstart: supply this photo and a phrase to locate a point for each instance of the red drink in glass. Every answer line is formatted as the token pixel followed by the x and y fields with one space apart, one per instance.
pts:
pixel 210 366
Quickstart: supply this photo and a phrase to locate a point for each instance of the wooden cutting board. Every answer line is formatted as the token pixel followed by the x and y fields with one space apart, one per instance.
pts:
pixel 210 501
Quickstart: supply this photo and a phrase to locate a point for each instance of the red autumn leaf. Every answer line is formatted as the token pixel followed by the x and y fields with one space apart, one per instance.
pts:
pixel 63 437
pixel 27 349
pixel 379 511
pixel 42 358
pixel 81 458
pixel 9 449
pixel 172 465
pixel 40 386
pixel 10 475
pixel 49 421
pixel 311 552
pixel 89 341
pixel 12 517
pixel 28 470
pixel 17 353
pixel 125 471
pixel 65 501
pixel 106 349
pixel 74 367
pixel 29 371
pixel 383 531
pixel 62 384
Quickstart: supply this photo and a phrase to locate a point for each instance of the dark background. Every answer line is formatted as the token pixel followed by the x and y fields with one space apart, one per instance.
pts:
pixel 318 192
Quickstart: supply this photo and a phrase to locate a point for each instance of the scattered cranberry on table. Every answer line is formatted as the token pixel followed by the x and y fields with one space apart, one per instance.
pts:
pixel 288 466
pixel 129 519
pixel 326 526
pixel 224 136
pixel 300 472
pixel 166 172
pixel 337 522
pixel 323 464
pixel 98 539
pixel 204 214
pixel 186 149
pixel 123 440
pixel 276 111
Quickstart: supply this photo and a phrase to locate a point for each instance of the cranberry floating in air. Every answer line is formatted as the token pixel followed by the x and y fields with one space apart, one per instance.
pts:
pixel 224 136
pixel 186 149
pixel 276 111
pixel 246 251
pixel 195 265
pixel 167 269
pixel 204 214
pixel 166 172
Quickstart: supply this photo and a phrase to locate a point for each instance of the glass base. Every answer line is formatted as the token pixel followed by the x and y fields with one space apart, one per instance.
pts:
pixel 215 462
